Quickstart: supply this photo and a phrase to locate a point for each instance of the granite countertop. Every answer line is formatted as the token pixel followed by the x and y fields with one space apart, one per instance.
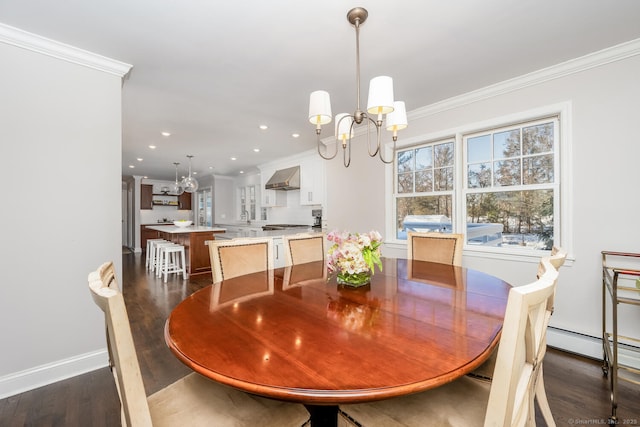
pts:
pixel 191 229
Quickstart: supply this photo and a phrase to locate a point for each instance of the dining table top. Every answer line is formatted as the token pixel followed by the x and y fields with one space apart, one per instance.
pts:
pixel 294 334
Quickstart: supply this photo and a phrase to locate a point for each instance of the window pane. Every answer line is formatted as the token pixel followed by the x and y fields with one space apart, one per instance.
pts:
pixel 443 155
pixel 538 169
pixel 423 214
pixel 506 144
pixel 405 161
pixel 405 183
pixel 424 158
pixel 424 181
pixel 506 172
pixel 524 219
pixel 479 149
pixel 538 139
pixel 443 179
pixel 479 175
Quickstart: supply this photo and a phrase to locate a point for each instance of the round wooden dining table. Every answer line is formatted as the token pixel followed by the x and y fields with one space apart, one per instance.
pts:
pixel 294 334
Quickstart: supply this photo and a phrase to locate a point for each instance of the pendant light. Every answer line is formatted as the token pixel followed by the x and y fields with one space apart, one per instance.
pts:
pixel 176 188
pixel 190 184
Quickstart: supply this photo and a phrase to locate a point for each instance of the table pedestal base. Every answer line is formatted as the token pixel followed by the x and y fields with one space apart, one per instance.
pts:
pixel 323 416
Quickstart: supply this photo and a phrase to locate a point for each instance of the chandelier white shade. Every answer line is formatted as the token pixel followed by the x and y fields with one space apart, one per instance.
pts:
pixel 380 95
pixel 320 107
pixel 344 128
pixel 397 119
pixel 380 106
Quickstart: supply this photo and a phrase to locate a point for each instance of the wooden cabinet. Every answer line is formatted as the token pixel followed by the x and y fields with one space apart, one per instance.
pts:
pixel 184 201
pixel 146 196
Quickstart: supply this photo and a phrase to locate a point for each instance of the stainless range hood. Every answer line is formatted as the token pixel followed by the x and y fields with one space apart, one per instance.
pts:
pixel 285 179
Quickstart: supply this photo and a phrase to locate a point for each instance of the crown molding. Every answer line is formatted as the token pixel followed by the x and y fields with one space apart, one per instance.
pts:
pixel 572 66
pixel 45 46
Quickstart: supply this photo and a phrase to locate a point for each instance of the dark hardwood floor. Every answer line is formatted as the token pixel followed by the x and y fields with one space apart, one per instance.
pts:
pixel 578 393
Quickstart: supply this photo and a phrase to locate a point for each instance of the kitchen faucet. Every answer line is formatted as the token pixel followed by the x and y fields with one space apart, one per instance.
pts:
pixel 246 215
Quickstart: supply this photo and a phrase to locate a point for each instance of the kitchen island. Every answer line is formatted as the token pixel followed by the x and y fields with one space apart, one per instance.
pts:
pixel 193 239
pixel 278 243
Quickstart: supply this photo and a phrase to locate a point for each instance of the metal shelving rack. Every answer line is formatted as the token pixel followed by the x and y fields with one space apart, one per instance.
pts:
pixel 621 354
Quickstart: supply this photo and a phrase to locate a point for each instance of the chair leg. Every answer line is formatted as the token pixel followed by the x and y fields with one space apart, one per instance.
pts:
pixel 543 403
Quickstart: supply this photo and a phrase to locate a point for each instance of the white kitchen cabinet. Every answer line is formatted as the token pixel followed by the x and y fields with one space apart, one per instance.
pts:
pixel 312 188
pixel 278 252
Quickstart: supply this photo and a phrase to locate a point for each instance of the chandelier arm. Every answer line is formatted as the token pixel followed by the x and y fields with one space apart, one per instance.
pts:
pixel 394 150
pixel 318 143
pixel 346 161
pixel 369 137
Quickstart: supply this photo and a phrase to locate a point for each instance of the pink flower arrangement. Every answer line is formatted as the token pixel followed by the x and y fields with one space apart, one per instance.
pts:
pixel 353 254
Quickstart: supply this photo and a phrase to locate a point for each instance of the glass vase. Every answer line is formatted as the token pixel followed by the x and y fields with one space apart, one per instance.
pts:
pixel 355 279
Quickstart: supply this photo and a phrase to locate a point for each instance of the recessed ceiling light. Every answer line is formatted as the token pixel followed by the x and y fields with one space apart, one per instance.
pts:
pixel 131 167
pixel 295 135
pixel 166 133
pixel 153 147
pixel 139 159
pixel 234 158
pixel 264 127
pixel 241 171
pixel 257 150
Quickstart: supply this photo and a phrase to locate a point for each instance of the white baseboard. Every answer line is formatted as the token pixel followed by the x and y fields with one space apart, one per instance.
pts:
pixel 39 376
pixel 574 342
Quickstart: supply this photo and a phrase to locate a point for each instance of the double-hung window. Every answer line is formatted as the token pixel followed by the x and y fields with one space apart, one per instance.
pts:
pixel 498 186
pixel 425 188
pixel 510 186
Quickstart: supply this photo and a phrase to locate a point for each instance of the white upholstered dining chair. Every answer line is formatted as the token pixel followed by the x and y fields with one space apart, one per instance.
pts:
pixel 190 401
pixel 236 257
pixel 554 260
pixel 301 248
pixel 445 248
pixel 508 400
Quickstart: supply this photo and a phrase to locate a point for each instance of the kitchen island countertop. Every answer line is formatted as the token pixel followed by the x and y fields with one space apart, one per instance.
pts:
pixel 265 233
pixel 191 229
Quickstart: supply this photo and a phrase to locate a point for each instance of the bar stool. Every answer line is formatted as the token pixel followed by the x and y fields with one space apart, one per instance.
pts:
pixel 151 252
pixel 157 261
pixel 172 260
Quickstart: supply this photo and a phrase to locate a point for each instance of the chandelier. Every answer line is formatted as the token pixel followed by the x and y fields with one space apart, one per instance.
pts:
pixel 176 188
pixel 379 104
pixel 189 183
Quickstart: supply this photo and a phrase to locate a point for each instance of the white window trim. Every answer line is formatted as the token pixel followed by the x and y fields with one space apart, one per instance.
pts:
pixel 565 210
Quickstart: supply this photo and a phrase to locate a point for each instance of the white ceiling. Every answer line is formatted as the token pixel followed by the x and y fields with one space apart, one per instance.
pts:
pixel 211 72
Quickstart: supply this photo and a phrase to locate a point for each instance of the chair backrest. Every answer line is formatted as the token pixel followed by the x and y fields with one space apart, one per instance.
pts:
pixel 303 247
pixel 122 353
pixel 522 348
pixel 556 259
pixel 444 248
pixel 236 257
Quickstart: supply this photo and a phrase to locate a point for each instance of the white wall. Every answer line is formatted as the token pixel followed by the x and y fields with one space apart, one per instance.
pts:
pixel 60 132
pixel 605 161
pixel 224 200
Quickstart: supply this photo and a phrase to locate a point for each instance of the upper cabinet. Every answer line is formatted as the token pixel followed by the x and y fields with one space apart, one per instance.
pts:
pixel 312 180
pixel 312 187
pixel 184 201
pixel 146 196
